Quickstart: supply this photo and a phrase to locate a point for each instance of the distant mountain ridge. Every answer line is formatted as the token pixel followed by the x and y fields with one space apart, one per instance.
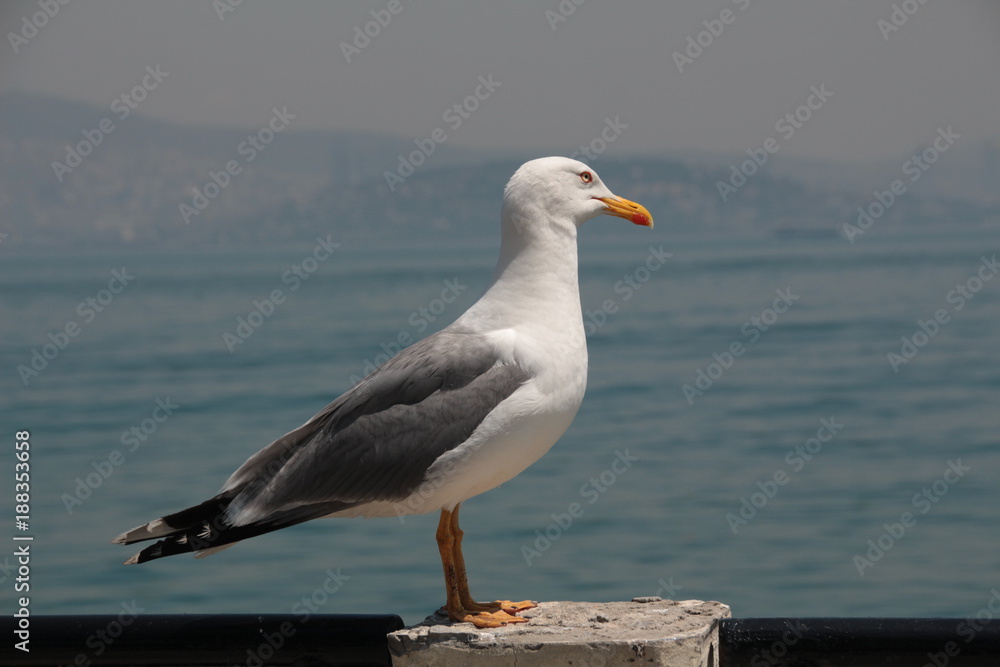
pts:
pixel 128 186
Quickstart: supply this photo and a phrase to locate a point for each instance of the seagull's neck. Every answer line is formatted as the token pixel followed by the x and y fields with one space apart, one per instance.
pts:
pixel 535 284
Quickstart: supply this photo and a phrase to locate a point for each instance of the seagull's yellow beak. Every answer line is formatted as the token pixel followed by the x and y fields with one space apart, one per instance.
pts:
pixel 623 208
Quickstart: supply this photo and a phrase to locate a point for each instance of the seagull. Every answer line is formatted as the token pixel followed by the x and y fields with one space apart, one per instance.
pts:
pixel 452 416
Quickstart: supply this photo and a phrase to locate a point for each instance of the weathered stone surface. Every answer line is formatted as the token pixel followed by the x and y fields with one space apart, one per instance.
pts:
pixel 645 631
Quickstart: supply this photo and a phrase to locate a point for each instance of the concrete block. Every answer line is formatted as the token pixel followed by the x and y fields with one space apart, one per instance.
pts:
pixel 645 631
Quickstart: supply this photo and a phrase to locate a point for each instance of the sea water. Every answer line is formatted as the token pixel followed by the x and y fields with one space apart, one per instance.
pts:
pixel 793 426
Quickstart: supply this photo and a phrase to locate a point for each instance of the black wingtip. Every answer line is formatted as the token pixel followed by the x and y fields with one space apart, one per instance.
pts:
pixel 213 531
pixel 171 546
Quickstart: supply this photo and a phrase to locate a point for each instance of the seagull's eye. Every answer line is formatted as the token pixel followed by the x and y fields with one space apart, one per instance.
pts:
pixel 586 176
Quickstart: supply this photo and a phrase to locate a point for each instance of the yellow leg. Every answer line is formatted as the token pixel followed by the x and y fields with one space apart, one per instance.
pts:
pixel 463 582
pixel 460 605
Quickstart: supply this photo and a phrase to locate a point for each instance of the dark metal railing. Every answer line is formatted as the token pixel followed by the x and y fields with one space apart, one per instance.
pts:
pixel 255 640
pixel 859 642
pixel 252 640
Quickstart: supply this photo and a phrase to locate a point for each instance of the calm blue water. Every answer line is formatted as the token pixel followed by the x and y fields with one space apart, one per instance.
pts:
pixel 660 520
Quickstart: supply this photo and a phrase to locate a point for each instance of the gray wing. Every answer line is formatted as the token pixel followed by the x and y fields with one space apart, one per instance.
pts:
pixel 376 442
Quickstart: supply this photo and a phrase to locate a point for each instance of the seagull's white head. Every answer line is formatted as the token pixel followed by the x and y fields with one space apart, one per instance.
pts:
pixel 562 192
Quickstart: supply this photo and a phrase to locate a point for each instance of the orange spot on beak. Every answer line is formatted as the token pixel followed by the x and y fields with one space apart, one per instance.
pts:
pixel 623 208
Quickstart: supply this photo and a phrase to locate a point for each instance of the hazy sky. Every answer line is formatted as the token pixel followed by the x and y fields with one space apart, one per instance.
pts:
pixel 555 81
